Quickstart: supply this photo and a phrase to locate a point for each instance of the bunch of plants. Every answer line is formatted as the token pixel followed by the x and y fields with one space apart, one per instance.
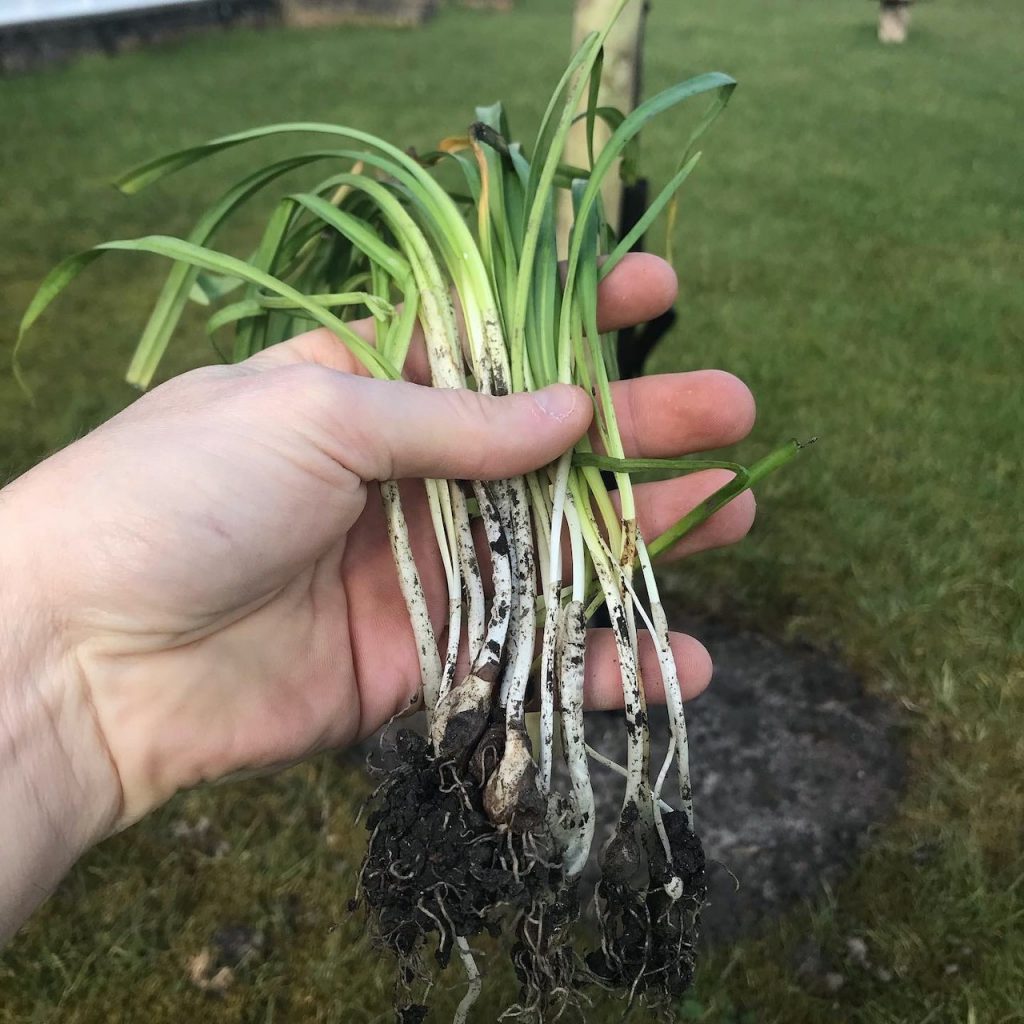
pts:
pixel 477 828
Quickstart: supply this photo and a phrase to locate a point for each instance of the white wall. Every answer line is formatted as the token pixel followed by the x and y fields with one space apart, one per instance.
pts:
pixel 27 12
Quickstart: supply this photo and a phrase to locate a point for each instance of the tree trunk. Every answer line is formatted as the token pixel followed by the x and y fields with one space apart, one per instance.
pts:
pixel 621 86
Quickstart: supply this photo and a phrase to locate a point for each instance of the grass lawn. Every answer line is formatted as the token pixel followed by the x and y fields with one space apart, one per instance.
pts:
pixel 851 246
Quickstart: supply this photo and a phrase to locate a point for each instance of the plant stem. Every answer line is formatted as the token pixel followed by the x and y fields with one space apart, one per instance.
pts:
pixel 412 591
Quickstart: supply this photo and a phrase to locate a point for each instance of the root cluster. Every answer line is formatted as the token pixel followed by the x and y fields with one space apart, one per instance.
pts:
pixel 649 932
pixel 438 871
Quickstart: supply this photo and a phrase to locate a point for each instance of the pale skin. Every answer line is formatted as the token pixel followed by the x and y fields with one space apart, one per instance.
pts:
pixel 203 585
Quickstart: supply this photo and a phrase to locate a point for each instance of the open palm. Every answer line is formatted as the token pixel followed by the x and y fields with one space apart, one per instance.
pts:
pixel 217 557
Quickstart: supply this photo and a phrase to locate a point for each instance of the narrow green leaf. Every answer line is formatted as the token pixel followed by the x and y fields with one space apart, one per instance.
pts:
pixel 359 232
pixel 175 293
pixel 650 215
pixel 53 284
pixel 232 313
pixel 251 335
pixel 379 308
pixel 221 263
pixel 595 89
pixel 209 288
pixel 613 465
pixel 740 483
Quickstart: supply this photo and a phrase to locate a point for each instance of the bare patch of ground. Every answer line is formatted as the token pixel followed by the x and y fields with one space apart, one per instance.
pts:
pixel 793 764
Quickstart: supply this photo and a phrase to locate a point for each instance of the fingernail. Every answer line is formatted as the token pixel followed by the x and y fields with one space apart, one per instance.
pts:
pixel 557 401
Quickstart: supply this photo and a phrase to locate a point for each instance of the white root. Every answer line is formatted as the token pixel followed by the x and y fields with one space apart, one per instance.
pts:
pixel 475 982
pixel 606 762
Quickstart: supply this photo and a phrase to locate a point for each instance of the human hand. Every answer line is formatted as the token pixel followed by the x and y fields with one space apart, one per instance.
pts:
pixel 217 572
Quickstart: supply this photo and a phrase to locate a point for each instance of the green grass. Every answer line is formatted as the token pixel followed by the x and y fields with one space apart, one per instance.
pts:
pixel 851 245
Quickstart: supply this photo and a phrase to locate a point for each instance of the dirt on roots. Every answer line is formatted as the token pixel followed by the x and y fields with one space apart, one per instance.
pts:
pixel 437 870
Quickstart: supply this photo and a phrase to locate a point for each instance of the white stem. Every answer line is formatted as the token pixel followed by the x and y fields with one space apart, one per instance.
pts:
pixel 476 612
pixel 670 675
pixel 497 530
pixel 449 554
pixel 523 629
pixel 549 669
pixel 541 503
pixel 659 822
pixel 444 352
pixel 412 591
pixel 670 678
pixel 439 522
pixel 552 616
pixel 581 836
pixel 632 697
pixel 502 490
pixel 579 552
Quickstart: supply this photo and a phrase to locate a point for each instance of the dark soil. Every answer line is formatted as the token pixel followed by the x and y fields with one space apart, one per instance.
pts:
pixel 649 938
pixel 436 868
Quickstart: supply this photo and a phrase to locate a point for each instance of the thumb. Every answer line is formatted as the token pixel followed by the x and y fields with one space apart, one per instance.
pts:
pixel 389 430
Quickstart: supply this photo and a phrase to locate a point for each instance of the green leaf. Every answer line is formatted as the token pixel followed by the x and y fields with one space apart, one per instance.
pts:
pixel 650 215
pixel 359 232
pixel 379 308
pixel 632 125
pixel 179 285
pixel 232 313
pixel 251 336
pixel 221 263
pixel 594 91
pixel 613 465
pixel 740 483
pixel 53 284
pixel 209 288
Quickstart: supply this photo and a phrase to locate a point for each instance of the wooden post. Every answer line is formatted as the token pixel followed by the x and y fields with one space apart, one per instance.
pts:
pixel 621 86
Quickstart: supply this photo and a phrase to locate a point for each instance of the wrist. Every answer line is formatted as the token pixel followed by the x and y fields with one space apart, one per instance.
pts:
pixel 59 791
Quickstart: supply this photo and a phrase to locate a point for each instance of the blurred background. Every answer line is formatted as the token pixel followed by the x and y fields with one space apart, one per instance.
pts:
pixel 852 245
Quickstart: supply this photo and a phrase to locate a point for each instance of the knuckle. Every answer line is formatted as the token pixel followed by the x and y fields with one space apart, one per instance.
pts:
pixel 475 415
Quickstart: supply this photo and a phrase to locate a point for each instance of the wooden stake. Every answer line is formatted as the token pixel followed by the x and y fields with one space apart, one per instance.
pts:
pixel 621 86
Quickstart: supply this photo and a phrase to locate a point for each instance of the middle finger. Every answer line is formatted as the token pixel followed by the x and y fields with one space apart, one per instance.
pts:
pixel 675 413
